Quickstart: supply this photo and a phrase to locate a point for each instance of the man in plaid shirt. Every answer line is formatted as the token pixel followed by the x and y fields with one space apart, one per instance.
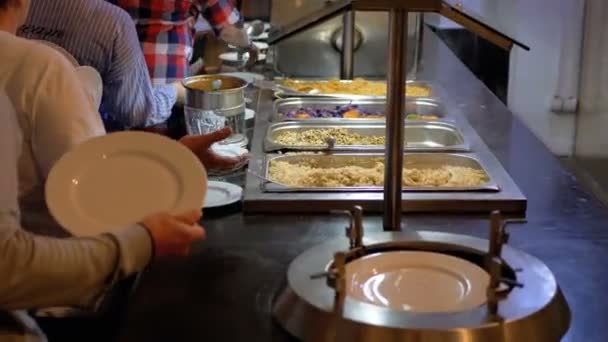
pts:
pixel 165 29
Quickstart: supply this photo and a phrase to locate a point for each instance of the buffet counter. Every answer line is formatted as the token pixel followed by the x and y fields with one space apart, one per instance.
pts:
pixel 225 290
pixel 460 147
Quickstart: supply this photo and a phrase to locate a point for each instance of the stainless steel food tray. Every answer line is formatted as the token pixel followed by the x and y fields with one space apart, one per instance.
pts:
pixel 418 160
pixel 422 106
pixel 286 92
pixel 420 136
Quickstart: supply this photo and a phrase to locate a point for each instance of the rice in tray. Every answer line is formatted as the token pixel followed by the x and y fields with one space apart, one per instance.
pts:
pixel 358 86
pixel 308 175
pixel 320 136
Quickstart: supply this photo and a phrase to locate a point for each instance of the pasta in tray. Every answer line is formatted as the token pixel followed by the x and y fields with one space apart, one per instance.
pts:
pixel 358 86
pixel 307 175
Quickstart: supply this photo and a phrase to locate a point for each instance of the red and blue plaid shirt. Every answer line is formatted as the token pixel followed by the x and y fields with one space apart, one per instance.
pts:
pixel 165 29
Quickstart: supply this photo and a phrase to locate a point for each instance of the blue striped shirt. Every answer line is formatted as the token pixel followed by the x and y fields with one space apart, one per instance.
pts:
pixel 103 36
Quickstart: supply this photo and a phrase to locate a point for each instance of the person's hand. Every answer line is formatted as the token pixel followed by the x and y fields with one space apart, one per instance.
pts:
pixel 173 235
pixel 254 55
pixel 181 93
pixel 200 145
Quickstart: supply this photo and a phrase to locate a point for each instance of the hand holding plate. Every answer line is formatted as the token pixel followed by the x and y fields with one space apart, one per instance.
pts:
pixel 173 235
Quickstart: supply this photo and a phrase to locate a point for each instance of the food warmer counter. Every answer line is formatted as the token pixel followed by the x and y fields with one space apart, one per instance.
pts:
pixel 448 140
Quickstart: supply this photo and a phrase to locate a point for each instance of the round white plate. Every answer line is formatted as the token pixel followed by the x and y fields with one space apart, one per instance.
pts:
pixel 263 36
pixel 229 150
pixel 249 77
pixel 417 281
pixel 233 57
pixel 259 45
pixel 249 114
pixel 116 180
pixel 220 194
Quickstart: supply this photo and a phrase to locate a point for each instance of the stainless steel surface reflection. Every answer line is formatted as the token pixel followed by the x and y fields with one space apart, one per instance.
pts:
pixel 369 160
pixel 419 135
pixel 316 53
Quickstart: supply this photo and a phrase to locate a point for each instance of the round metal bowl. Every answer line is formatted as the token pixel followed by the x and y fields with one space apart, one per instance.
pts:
pixel 200 93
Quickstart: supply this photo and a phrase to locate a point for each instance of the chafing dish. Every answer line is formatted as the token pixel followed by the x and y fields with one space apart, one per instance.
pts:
pixel 421 106
pixel 284 92
pixel 413 160
pixel 419 136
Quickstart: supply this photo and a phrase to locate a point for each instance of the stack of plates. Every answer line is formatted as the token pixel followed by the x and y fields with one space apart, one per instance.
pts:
pixel 233 57
pixel 220 194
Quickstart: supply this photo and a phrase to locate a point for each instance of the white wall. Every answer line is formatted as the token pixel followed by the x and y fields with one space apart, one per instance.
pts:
pixel 534 74
pixel 592 136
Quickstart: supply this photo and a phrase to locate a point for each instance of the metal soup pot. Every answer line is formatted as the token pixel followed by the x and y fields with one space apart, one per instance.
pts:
pixel 214 102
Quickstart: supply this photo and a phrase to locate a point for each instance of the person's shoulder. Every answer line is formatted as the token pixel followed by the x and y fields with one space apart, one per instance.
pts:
pixel 34 54
pixel 33 48
pixel 112 13
pixel 112 20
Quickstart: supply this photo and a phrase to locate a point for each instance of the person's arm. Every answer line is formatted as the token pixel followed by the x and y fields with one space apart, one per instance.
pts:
pixel 220 14
pixel 226 22
pixel 41 272
pixel 61 115
pixel 128 92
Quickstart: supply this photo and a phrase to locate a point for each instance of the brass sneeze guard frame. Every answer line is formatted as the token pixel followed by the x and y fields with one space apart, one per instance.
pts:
pixel 398 10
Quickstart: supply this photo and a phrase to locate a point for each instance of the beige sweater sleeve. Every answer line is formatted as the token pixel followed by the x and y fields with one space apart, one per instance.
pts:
pixel 37 271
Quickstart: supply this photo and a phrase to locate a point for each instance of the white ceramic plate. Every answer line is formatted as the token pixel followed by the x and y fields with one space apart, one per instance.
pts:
pixel 417 281
pixel 249 77
pixel 263 36
pixel 233 57
pixel 116 180
pixel 267 26
pixel 249 114
pixel 221 194
pixel 259 45
pixel 229 150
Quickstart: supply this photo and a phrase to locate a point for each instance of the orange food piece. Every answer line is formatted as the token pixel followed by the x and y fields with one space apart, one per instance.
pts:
pixel 302 116
pixel 351 114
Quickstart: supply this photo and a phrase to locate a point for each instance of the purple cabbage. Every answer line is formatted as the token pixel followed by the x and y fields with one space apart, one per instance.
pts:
pixel 338 112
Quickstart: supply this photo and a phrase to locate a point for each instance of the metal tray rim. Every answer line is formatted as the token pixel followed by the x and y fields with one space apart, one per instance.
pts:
pixel 489 186
pixel 280 93
pixel 271 146
pixel 366 100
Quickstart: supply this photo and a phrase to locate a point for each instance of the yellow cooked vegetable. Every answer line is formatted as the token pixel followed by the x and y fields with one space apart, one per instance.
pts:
pixel 358 86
